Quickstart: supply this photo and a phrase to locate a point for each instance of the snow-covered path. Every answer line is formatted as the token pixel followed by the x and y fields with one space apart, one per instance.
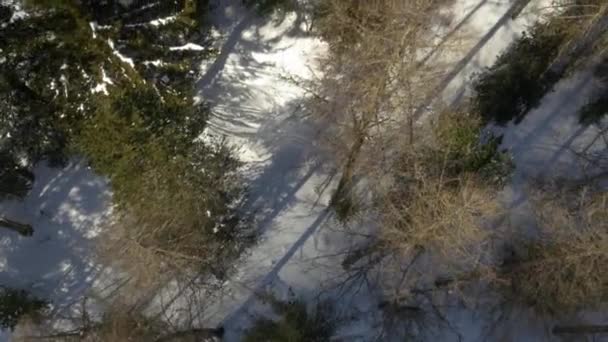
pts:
pixel 257 108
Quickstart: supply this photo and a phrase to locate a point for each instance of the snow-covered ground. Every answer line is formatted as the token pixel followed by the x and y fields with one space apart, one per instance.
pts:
pixel 66 208
pixel 481 30
pixel 546 142
pixel 257 108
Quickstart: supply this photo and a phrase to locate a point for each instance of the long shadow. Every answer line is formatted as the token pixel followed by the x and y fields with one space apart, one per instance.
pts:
pixel 271 276
pixel 227 49
pixel 544 124
pixel 257 43
pixel 276 187
pixel 432 96
pixel 286 137
pixel 228 93
pixel 555 110
pixel 452 32
pixel 64 207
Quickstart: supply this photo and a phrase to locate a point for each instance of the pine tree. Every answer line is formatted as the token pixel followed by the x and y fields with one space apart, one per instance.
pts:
pixel 69 87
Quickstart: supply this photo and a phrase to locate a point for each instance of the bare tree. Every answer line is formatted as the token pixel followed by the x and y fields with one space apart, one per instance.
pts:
pixel 374 80
pixel 564 269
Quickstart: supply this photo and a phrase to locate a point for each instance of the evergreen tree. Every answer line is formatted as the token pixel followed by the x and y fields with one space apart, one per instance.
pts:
pixel 69 86
pixel 296 323
pixel 15 304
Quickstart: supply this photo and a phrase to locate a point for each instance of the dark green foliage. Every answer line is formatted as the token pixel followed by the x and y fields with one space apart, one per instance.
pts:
pixel 5 13
pixel 140 131
pixel 146 43
pixel 14 304
pixel 160 175
pixel 50 64
pixel 15 180
pixel 295 323
pixel 593 112
pixel 517 81
pixel 597 109
pixel 465 148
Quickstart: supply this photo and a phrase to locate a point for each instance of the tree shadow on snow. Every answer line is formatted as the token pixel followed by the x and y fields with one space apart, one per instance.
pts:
pixel 66 208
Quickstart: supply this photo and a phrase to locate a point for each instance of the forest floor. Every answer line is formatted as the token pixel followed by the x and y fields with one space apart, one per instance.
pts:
pixel 300 246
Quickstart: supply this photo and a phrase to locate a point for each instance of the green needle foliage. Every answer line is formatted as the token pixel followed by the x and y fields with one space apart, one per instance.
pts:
pixel 515 83
pixel 295 323
pixel 15 304
pixel 66 89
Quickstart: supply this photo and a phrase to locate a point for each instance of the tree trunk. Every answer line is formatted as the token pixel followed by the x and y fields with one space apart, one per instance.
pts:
pixel 580 329
pixel 345 182
pixel 21 228
pixel 518 7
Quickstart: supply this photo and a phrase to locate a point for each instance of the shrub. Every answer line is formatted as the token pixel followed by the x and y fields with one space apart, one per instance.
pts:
pixel 443 192
pixel 15 304
pixel 442 216
pixel 563 270
pixel 593 112
pixel 15 179
pixel 516 82
pixel 173 192
pixel 344 204
pixel 295 323
pixel 121 326
pixel 463 146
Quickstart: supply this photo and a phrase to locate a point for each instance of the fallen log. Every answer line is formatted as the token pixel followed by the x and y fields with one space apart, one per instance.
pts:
pixel 580 329
pixel 21 228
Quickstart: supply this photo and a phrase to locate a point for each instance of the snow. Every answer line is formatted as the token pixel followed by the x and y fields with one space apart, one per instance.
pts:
pixel 481 30
pixel 119 55
pixel 545 143
pixel 102 87
pixel 66 208
pixel 156 63
pixel 257 109
pixel 93 26
pixel 17 7
pixel 188 46
pixel 64 82
pixel 155 22
pixel 163 21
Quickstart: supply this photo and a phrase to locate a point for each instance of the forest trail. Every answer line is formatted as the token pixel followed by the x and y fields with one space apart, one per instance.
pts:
pixel 256 108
